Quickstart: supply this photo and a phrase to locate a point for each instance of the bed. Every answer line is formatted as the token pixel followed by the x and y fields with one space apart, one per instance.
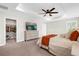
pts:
pixel 58 45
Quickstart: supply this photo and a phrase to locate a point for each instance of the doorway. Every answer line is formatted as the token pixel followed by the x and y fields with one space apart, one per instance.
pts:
pixel 10 30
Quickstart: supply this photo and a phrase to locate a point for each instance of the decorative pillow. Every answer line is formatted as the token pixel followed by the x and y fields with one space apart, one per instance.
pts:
pixel 74 35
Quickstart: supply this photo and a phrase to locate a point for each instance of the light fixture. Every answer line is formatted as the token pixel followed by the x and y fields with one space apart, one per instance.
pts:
pixel 19 8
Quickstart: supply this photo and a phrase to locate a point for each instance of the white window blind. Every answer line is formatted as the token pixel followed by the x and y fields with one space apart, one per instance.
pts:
pixel 71 25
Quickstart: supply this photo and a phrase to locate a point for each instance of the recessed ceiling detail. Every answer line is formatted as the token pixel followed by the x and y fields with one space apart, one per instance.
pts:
pixel 3 7
pixel 33 9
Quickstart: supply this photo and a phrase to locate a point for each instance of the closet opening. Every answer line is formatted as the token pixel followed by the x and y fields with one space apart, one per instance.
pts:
pixel 10 30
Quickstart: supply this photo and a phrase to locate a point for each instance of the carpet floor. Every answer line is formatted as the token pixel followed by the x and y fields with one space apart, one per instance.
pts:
pixel 28 48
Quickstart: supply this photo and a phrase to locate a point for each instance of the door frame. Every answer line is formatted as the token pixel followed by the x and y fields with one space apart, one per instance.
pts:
pixel 15 25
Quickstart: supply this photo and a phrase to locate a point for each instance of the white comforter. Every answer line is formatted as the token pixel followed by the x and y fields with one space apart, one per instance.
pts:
pixel 58 45
pixel 62 42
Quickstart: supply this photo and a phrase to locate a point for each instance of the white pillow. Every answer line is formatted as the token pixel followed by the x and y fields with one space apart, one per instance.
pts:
pixel 78 39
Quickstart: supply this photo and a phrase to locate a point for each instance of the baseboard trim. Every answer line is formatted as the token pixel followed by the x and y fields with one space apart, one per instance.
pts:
pixel 2 44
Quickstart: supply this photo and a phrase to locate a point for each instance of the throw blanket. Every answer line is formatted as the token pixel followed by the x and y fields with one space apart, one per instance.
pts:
pixel 46 39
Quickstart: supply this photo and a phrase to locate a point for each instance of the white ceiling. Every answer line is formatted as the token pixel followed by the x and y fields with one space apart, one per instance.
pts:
pixel 10 5
pixel 36 8
pixel 66 10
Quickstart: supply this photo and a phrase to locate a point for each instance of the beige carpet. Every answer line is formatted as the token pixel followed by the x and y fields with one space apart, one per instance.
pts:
pixel 28 48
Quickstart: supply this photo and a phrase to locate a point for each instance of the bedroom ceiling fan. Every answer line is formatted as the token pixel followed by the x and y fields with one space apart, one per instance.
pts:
pixel 50 12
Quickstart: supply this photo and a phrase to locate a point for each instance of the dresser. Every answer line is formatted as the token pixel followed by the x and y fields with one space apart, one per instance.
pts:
pixel 31 34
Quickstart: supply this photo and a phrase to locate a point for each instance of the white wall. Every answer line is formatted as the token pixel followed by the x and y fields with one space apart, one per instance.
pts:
pixel 56 27
pixel 59 27
pixel 41 26
pixel 20 25
pixel 2 30
pixel 20 18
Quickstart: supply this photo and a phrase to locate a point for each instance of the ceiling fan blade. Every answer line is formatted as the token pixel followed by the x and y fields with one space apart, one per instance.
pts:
pixel 54 12
pixel 44 10
pixel 52 9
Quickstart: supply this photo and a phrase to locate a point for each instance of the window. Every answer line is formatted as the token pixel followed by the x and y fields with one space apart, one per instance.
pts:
pixel 71 25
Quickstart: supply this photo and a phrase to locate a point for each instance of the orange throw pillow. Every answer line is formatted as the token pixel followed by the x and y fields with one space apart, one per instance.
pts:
pixel 74 35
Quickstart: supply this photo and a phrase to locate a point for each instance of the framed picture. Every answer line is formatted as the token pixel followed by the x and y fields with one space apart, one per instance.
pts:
pixel 31 26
